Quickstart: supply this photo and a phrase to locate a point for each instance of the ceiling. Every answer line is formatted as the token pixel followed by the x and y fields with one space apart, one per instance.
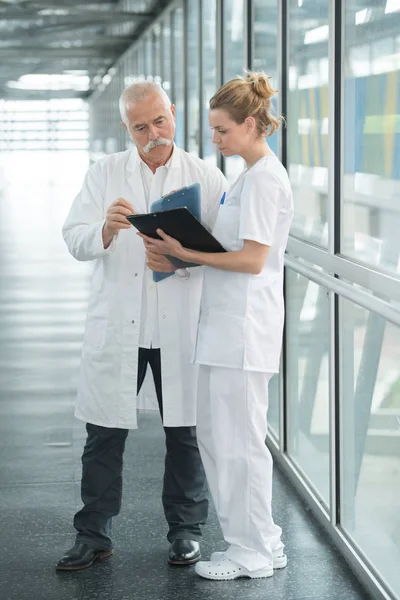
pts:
pixel 73 43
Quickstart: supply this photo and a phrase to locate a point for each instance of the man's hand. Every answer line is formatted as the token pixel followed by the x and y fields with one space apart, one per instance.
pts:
pixel 116 219
pixel 158 262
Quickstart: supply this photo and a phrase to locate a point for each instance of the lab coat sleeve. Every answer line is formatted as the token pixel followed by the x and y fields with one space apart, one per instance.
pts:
pixel 261 201
pixel 83 227
pixel 215 187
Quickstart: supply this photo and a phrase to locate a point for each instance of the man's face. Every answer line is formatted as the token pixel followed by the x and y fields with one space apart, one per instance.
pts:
pixel 151 125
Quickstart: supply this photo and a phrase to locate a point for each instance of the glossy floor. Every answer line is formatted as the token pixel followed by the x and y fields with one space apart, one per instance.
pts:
pixel 43 292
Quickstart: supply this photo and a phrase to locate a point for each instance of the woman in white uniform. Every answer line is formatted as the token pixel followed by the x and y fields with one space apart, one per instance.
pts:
pixel 240 331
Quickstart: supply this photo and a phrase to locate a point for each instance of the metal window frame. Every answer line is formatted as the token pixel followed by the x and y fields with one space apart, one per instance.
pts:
pixel 200 76
pixel 334 199
pixel 172 54
pixel 220 47
pixel 283 66
pixel 185 76
pixel 248 37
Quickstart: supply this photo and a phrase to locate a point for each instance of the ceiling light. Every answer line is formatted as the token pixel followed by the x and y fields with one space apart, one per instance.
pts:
pixel 363 16
pixel 53 12
pixel 51 82
pixel 319 34
pixel 392 6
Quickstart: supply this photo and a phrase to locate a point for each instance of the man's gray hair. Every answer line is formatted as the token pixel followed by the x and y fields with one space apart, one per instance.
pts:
pixel 137 92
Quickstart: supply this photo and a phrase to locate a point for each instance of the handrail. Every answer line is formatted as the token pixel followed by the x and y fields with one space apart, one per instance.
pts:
pixel 346 290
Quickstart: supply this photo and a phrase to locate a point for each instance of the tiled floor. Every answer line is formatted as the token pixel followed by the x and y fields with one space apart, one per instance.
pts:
pixel 42 306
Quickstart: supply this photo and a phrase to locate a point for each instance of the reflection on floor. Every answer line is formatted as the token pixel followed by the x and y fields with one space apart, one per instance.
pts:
pixel 42 307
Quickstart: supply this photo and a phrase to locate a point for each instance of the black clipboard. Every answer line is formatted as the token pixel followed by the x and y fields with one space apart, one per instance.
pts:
pixel 180 224
pixel 190 197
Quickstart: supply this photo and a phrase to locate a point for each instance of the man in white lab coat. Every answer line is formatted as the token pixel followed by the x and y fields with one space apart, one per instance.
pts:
pixel 133 322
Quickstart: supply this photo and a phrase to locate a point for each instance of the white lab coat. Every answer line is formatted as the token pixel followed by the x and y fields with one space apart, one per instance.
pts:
pixel 242 315
pixel 108 374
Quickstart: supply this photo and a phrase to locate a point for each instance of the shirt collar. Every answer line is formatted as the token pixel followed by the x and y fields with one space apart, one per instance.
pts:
pixel 171 162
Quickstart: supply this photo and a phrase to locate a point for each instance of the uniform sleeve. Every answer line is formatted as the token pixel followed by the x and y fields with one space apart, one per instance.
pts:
pixel 262 199
pixel 214 188
pixel 82 230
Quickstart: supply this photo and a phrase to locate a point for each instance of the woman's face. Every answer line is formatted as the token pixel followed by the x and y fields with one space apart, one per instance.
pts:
pixel 230 137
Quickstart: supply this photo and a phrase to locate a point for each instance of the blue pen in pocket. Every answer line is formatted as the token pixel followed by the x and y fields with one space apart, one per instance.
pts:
pixel 223 198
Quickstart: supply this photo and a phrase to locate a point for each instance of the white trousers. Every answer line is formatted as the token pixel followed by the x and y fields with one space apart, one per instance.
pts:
pixel 231 431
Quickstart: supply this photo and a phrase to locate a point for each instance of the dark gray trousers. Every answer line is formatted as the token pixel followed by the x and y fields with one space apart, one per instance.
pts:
pixel 184 494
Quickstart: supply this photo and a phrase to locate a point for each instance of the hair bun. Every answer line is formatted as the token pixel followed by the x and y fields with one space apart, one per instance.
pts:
pixel 261 84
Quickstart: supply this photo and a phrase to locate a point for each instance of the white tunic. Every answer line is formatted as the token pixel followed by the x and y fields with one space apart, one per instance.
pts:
pixel 108 374
pixel 242 315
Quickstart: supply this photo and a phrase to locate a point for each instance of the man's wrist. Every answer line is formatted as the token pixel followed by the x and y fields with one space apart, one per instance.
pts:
pixel 107 237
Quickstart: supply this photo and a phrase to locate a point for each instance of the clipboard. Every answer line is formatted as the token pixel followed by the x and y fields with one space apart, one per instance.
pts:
pixel 188 196
pixel 180 224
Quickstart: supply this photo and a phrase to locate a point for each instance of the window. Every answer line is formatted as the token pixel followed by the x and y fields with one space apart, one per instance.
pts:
pixel 307 322
pixel 178 91
pixel 233 54
pixel 371 178
pixel 308 118
pixel 371 431
pixel 193 77
pixel 209 74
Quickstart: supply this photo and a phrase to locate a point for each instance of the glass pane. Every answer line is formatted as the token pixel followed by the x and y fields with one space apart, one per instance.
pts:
pixel 166 30
pixel 308 117
pixel 233 64
pixel 178 93
pixel 141 66
pixel 265 32
pixel 307 323
pixel 156 38
pixel 193 77
pixel 233 38
pixel 209 74
pixel 370 355
pixel 45 124
pixel 148 67
pixel 371 190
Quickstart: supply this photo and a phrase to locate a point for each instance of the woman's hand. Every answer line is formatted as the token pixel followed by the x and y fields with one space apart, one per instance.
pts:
pixel 166 246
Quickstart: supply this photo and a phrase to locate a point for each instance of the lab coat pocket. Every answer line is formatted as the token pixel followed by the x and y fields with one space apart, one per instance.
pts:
pixel 220 340
pixel 95 335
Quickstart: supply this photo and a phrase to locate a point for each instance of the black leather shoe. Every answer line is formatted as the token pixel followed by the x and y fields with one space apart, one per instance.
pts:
pixel 80 556
pixel 184 552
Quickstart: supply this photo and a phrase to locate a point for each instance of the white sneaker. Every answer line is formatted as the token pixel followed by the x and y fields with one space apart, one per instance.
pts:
pixel 226 569
pixel 280 559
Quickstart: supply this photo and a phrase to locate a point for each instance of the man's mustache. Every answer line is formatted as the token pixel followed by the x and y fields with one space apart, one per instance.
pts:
pixel 155 143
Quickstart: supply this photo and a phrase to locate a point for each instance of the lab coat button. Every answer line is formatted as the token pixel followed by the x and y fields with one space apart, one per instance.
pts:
pixel 135 274
pixel 163 316
pixel 132 321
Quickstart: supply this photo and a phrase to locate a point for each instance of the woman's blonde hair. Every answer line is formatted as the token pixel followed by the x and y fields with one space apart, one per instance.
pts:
pixel 250 97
